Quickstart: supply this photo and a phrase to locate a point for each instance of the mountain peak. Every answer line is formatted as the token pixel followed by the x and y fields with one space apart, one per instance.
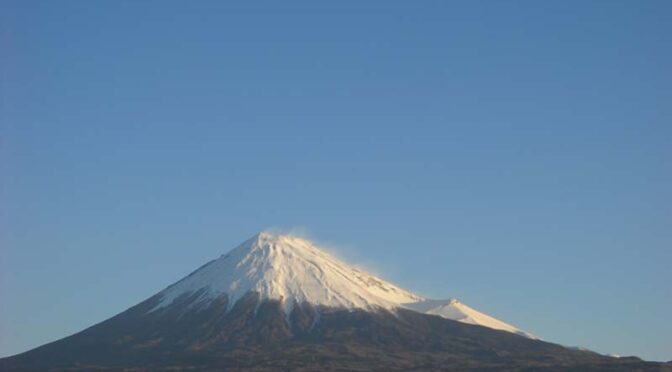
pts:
pixel 290 269
pixel 271 240
pixel 271 236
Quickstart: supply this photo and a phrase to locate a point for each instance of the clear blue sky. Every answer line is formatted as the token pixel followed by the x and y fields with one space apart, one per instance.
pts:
pixel 516 155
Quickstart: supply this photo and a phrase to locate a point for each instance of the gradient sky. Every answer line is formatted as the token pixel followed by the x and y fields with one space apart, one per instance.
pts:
pixel 515 155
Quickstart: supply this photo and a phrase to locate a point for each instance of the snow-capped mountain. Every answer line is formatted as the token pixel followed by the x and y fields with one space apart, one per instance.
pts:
pixel 289 269
pixel 280 303
pixel 293 270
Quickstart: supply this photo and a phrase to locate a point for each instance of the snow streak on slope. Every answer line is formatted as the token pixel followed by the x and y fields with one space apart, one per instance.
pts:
pixel 455 310
pixel 289 269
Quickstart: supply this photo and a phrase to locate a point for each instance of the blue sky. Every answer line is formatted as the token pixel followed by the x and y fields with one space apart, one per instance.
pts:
pixel 516 155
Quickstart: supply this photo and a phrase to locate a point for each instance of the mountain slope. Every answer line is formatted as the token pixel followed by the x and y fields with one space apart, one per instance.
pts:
pixel 256 335
pixel 455 310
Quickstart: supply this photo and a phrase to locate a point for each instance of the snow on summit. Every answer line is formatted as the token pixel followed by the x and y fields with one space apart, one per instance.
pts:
pixel 293 270
pixel 289 269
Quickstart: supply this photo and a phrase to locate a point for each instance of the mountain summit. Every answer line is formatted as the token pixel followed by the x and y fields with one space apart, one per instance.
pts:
pixel 280 303
pixel 291 270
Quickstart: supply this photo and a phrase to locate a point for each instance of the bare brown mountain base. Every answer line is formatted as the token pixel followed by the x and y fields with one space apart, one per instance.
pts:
pixel 256 336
